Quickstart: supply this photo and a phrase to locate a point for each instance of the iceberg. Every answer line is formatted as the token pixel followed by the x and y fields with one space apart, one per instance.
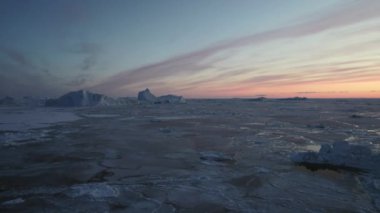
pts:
pixel 170 99
pixel 146 96
pixel 80 98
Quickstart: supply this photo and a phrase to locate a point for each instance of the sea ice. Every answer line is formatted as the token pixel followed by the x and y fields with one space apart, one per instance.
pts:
pixel 24 119
pixel 27 125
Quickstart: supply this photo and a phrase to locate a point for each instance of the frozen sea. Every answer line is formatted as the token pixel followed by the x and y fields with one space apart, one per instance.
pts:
pixel 203 156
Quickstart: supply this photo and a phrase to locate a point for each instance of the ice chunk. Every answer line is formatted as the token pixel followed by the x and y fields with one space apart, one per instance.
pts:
pixel 95 190
pixel 212 157
pixel 340 155
pixel 14 201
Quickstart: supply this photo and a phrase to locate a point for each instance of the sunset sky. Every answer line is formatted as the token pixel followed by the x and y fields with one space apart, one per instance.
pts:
pixel 196 48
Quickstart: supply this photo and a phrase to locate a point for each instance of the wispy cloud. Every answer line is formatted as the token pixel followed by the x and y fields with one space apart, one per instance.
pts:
pixel 16 56
pixel 77 82
pixel 17 80
pixel 185 66
pixel 307 92
pixel 90 51
pixel 19 75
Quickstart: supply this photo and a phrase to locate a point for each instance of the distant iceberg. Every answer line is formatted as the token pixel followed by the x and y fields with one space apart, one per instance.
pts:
pixel 81 98
pixel 171 99
pixel 294 99
pixel 146 96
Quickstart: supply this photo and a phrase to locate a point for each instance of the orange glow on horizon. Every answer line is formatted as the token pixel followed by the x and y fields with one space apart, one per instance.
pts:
pixel 315 90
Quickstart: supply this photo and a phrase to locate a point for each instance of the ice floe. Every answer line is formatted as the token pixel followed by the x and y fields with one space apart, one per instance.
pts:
pixel 340 155
pixel 14 201
pixel 216 158
pixel 95 190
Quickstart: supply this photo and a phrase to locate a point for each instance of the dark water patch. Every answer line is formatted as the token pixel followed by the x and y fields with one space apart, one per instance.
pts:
pixel 356 116
pixel 248 182
pixel 19 182
pixel 337 168
pixel 316 126
pixel 117 206
pixel 101 176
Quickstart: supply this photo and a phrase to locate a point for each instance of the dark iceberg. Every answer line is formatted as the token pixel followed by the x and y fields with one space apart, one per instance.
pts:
pixel 294 99
pixel 146 96
pixel 171 99
pixel 79 98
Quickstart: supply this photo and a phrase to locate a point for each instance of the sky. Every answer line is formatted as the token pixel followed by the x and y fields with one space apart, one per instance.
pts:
pixel 197 48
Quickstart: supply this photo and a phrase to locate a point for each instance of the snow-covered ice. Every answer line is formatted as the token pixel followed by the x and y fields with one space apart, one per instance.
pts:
pixel 29 125
pixel 22 119
pixel 95 190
